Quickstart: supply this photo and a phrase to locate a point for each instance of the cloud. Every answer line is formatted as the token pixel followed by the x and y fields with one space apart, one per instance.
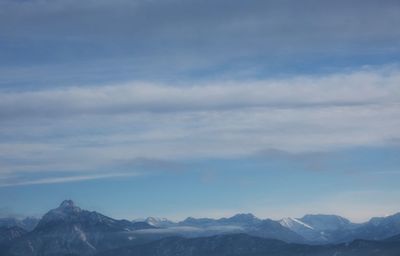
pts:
pixel 79 42
pixel 191 231
pixel 337 90
pixel 143 127
pixel 214 22
pixel 65 179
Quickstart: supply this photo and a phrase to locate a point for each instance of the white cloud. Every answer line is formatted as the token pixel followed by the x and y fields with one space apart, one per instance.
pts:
pixel 358 88
pixel 66 179
pixel 87 128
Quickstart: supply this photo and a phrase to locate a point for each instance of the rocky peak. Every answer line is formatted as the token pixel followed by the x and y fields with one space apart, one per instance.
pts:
pixel 66 212
pixel 67 204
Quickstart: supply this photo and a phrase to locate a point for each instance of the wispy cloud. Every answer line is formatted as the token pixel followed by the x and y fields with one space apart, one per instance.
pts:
pixel 66 179
pixel 102 40
pixel 119 126
pixel 365 87
pixel 112 89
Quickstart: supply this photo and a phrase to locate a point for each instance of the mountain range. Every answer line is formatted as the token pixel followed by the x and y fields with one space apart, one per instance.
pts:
pixel 310 229
pixel 70 230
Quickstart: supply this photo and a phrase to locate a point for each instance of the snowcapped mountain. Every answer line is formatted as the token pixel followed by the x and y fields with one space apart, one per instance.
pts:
pixel 69 213
pixel 246 223
pixel 69 230
pixel 159 222
pixel 312 228
pixel 274 230
pixel 336 229
pixel 295 224
pixel 303 229
pixel 320 228
pixel 324 222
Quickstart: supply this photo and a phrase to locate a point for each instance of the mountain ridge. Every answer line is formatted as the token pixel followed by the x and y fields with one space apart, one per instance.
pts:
pixel 68 229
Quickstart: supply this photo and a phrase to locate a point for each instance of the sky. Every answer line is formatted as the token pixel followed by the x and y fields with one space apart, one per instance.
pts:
pixel 177 108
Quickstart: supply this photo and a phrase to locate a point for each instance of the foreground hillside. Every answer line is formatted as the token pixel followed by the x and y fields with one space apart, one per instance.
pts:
pixel 245 245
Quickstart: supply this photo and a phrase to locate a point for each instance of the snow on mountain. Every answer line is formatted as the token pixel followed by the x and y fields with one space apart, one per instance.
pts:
pixel 293 223
pixel 69 213
pixel 159 222
pixel 70 230
pixel 239 223
pixel 303 229
pixel 323 222
pixel 274 230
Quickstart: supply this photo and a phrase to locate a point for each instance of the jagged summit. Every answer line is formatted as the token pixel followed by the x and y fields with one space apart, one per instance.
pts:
pixel 68 214
pixel 67 211
pixel 67 204
pixel 67 207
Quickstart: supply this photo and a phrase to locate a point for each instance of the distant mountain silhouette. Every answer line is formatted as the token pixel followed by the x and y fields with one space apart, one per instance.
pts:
pixel 70 230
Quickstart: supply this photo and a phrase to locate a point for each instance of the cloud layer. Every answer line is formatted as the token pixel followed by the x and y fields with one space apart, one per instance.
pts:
pixel 126 127
pixel 367 87
pixel 92 88
pixel 75 42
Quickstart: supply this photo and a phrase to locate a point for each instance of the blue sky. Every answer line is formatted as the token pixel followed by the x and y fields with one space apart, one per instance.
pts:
pixel 200 108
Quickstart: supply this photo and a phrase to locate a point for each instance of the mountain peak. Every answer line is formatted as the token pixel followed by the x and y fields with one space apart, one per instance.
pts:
pixel 67 204
pixel 243 216
pixel 323 222
pixel 68 207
